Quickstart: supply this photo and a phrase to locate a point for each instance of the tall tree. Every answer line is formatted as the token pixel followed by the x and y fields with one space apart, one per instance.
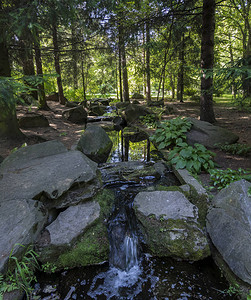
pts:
pixel 207 61
pixel 8 120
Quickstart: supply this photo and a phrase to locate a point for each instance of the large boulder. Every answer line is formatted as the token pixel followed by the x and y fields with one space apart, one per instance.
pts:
pixel 229 227
pixel 45 170
pixel 78 237
pixel 76 115
pixel 95 143
pixel 208 135
pixel 31 120
pixel 20 223
pixel 133 111
pixel 169 225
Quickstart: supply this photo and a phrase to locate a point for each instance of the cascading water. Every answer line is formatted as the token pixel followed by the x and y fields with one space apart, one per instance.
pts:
pixel 125 277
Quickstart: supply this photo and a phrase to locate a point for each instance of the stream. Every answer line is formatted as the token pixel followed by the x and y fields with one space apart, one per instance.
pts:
pixel 131 273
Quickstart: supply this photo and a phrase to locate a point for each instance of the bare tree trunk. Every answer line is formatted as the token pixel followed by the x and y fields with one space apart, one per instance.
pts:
pixel 39 66
pixel 144 62
pixel 83 80
pixel 123 64
pixel 57 63
pixel 74 58
pixel 8 119
pixel 148 75
pixel 207 61
pixel 180 84
pixel 120 77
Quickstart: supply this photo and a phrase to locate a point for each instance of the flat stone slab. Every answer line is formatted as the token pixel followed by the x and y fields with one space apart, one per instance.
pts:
pixel 169 205
pixel 72 222
pixel 34 170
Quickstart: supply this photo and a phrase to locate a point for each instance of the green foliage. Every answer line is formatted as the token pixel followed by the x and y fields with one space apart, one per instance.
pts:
pixel 16 148
pixel 23 274
pixel 149 121
pixel 249 295
pixel 222 178
pixel 233 290
pixel 194 159
pixel 171 132
pixel 249 192
pixel 239 149
pixel 49 268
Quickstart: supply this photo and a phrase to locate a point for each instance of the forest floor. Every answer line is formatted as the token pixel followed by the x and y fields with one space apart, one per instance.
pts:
pixel 69 133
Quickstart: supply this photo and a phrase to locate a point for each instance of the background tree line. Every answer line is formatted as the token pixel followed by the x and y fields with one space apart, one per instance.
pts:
pixel 170 48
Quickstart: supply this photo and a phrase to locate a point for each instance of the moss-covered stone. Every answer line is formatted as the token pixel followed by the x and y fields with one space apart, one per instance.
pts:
pixel 93 248
pixel 106 199
pixel 173 238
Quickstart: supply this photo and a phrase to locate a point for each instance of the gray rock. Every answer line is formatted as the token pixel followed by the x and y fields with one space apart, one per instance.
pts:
pixel 208 135
pixel 76 115
pixel 229 227
pixel 133 111
pixel 95 143
pixel 169 224
pixel 31 120
pixel 72 222
pixel 20 222
pixel 30 176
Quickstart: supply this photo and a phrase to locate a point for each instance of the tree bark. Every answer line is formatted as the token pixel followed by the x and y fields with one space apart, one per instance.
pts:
pixel 120 77
pixel 123 64
pixel 9 127
pixel 57 63
pixel 180 84
pixel 148 75
pixel 38 58
pixel 207 61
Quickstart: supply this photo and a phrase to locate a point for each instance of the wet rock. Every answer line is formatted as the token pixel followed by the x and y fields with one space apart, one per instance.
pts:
pixel 96 110
pixel 31 120
pixel 20 223
pixel 169 225
pixel 76 115
pixel 95 143
pixel 208 135
pixel 229 227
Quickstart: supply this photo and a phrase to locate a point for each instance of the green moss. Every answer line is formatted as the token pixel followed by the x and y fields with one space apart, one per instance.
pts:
pixel 172 188
pixel 93 248
pixel 106 199
pixel 175 238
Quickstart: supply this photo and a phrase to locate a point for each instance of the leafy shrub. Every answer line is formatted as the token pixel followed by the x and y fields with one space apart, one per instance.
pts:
pixel 171 132
pixel 239 149
pixel 23 274
pixel 222 178
pixel 194 159
pixel 149 121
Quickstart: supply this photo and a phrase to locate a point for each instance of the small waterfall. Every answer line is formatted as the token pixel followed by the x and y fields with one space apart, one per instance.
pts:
pixel 131 251
pixel 122 280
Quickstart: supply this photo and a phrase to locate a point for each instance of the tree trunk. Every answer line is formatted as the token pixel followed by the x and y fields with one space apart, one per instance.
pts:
pixel 120 77
pixel 74 58
pixel 123 64
pixel 207 61
pixel 57 63
pixel 8 119
pixel 148 75
pixel 180 84
pixel 41 93
pixel 83 80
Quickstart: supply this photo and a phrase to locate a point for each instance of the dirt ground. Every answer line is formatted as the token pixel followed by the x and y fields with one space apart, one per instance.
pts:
pixel 69 133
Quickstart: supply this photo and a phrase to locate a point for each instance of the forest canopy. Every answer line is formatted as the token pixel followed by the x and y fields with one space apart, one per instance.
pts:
pixel 160 49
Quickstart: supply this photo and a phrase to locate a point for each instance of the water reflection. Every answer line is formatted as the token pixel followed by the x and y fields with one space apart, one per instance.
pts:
pixel 129 144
